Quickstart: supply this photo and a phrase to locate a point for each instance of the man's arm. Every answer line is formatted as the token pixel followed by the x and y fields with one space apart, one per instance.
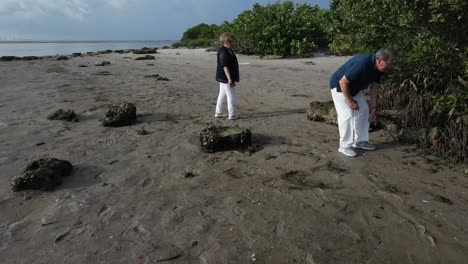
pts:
pixel 374 94
pixel 344 85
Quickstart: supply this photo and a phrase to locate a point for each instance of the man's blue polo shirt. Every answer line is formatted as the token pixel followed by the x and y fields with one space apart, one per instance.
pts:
pixel 360 71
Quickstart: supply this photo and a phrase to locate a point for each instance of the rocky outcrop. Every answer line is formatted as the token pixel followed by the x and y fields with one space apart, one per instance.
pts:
pixel 29 58
pixel 217 138
pixel 122 114
pixel 68 115
pixel 9 58
pixel 42 174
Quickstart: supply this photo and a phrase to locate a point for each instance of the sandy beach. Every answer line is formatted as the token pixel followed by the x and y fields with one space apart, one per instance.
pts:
pixel 294 200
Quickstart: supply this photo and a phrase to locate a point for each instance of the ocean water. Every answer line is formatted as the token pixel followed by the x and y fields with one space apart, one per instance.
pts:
pixel 53 48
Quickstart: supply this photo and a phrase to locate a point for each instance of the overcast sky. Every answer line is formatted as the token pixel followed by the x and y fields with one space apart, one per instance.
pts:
pixel 116 19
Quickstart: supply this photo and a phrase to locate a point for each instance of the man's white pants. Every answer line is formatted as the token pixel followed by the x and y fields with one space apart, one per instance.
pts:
pixel 352 124
pixel 226 91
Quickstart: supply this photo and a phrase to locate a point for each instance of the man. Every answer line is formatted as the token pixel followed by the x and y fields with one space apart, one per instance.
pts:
pixel 347 85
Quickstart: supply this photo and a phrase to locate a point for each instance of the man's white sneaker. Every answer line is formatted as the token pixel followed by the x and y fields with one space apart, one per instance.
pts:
pixel 364 145
pixel 347 151
pixel 219 115
pixel 232 118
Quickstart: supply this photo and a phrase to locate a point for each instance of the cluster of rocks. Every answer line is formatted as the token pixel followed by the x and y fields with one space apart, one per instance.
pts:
pixel 102 63
pixel 144 50
pixel 326 112
pixel 157 77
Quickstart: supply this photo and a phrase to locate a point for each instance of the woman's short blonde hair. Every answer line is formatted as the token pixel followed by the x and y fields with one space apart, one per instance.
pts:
pixel 226 37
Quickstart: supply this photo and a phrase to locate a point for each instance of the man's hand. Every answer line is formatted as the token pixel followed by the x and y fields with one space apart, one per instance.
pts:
pixel 373 115
pixel 353 104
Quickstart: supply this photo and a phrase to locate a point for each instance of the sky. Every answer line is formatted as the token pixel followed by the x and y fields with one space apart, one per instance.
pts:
pixel 116 19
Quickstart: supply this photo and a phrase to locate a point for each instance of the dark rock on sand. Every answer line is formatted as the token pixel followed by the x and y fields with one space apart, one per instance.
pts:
pixel 68 115
pixel 42 174
pixel 147 57
pixel 28 58
pixel 165 47
pixel 90 53
pixel 103 52
pixel 322 112
pixel 60 58
pixel 119 51
pixel 102 63
pixel 157 77
pixel 122 114
pixel 145 50
pixel 9 58
pixel 217 138
pixel 77 54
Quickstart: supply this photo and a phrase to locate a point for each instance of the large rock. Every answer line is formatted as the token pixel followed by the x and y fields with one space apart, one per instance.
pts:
pixel 28 58
pixel 122 114
pixel 42 174
pixel 322 112
pixel 68 115
pixel 216 138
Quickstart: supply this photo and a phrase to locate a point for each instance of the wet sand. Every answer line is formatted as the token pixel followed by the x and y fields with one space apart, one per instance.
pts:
pixel 294 200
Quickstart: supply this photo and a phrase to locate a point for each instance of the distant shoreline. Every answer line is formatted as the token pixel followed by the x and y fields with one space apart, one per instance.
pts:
pixel 82 41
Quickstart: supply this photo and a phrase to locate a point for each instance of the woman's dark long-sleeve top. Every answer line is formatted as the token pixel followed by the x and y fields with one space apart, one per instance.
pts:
pixel 226 57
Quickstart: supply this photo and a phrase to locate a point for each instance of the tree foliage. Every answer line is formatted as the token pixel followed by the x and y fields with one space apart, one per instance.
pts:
pixel 201 35
pixel 431 34
pixel 279 29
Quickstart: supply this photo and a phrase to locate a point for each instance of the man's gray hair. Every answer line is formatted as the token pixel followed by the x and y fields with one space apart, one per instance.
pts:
pixel 386 54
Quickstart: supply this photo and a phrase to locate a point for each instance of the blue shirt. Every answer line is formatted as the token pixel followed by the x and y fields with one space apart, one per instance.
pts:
pixel 360 71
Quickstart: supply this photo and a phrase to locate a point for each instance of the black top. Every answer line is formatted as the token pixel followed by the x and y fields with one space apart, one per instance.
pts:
pixel 226 57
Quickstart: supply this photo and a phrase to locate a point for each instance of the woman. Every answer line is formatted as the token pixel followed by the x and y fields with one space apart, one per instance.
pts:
pixel 227 74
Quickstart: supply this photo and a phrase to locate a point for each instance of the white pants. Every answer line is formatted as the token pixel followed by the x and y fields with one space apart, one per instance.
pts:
pixel 226 91
pixel 352 124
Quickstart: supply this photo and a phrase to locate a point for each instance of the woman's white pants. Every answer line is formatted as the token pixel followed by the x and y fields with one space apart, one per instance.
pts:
pixel 353 125
pixel 226 91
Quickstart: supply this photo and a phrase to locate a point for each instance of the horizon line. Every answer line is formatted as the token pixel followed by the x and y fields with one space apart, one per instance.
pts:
pixel 78 41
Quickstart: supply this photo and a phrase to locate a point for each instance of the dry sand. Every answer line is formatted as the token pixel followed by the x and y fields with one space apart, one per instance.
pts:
pixel 295 200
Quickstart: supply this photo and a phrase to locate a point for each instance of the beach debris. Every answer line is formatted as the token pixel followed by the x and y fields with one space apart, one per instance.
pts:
pixel 120 114
pixel 142 132
pixel 145 50
pixel 103 73
pixel 9 58
pixel 83 66
pixel 157 77
pixel 102 63
pixel 43 174
pixel 146 57
pixel 189 174
pixel 68 115
pixel 322 112
pixel 218 138
pixel 76 54
pixel 119 51
pixel 61 58
pixel 90 53
pixel 309 63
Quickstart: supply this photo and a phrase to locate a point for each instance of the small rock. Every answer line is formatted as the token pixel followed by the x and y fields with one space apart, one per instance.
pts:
pixel 68 115
pixel 61 58
pixel 102 63
pixel 122 114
